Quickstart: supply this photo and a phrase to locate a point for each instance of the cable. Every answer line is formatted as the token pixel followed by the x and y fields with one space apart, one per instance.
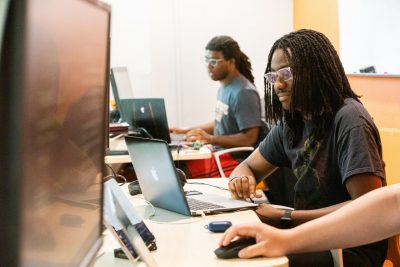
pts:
pixel 146 133
pixel 219 187
pixel 190 220
pixel 178 150
pixel 148 203
pixel 115 176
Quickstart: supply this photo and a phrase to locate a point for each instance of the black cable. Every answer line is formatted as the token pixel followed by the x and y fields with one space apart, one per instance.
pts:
pixel 178 150
pixel 146 133
pixel 112 170
pixel 116 176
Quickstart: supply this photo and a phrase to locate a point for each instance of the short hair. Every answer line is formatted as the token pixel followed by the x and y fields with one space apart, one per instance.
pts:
pixel 230 49
pixel 319 88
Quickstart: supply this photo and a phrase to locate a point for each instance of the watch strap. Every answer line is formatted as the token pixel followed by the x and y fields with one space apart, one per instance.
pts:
pixel 286 221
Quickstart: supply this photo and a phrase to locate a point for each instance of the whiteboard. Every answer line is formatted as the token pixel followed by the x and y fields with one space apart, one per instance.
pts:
pixel 369 33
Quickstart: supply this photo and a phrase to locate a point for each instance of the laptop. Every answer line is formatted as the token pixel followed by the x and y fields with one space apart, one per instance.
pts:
pixel 120 84
pixel 127 226
pixel 161 185
pixel 148 116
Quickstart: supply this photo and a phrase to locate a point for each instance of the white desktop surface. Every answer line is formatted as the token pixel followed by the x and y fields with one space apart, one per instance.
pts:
pixel 183 240
pixel 184 154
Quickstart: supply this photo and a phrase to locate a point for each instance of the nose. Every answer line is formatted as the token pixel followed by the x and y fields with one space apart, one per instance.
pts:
pixel 279 85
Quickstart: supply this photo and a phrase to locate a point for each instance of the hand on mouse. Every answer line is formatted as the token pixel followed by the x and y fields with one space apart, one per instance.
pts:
pixel 271 242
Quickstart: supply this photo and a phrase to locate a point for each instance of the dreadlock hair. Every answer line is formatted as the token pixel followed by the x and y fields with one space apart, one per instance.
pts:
pixel 319 84
pixel 230 49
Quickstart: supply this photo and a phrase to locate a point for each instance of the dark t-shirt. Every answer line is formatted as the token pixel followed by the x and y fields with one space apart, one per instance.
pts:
pixel 352 147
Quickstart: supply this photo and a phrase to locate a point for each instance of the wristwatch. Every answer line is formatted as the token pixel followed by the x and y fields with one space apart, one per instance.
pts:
pixel 286 221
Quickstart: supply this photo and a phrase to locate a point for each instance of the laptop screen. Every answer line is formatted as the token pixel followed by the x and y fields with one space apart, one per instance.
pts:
pixel 120 84
pixel 157 174
pixel 148 114
pixel 126 224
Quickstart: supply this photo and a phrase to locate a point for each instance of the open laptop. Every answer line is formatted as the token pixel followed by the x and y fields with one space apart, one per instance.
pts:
pixel 127 226
pixel 148 116
pixel 161 185
pixel 120 84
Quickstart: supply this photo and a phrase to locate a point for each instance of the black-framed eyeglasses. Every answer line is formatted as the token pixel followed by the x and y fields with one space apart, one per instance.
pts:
pixel 285 74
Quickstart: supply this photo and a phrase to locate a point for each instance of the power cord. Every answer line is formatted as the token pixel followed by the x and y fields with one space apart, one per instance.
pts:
pixel 146 133
pixel 149 204
pixel 200 183
pixel 115 176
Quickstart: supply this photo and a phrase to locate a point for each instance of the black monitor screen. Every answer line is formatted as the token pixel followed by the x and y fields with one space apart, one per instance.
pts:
pixel 58 88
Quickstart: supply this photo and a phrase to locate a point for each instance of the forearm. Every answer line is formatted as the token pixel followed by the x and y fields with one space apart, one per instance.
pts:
pixel 303 216
pixel 370 218
pixel 207 127
pixel 234 140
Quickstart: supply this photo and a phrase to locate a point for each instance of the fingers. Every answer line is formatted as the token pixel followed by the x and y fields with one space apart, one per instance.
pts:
pixel 257 193
pixel 252 251
pixel 242 187
pixel 196 135
pixel 243 230
pixel 177 130
pixel 271 242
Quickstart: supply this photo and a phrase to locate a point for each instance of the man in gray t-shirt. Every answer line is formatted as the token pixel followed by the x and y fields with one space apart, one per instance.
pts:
pixel 237 121
pixel 238 109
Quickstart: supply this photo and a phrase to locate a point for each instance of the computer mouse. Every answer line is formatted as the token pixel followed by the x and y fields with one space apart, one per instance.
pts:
pixel 134 188
pixel 231 251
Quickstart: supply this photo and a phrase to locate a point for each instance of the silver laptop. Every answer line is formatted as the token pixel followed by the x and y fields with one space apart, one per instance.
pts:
pixel 161 185
pixel 127 226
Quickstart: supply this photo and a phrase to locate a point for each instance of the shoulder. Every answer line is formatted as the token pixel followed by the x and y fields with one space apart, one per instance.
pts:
pixel 241 82
pixel 352 114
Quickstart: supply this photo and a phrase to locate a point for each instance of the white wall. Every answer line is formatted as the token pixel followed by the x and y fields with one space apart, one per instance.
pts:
pixel 370 35
pixel 161 42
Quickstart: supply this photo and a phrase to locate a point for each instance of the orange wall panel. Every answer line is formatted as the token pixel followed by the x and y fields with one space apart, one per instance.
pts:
pixel 381 97
pixel 321 15
pixel 380 94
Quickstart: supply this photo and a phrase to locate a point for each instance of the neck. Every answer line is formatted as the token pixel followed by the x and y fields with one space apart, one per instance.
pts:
pixel 231 76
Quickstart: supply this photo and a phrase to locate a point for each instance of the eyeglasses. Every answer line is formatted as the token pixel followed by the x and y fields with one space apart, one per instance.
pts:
pixel 285 74
pixel 212 61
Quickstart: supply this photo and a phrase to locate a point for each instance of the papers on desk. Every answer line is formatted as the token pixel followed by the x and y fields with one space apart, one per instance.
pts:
pixel 116 128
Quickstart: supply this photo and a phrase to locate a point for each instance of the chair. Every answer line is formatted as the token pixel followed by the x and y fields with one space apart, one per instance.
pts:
pixel 393 253
pixel 337 255
pixel 217 155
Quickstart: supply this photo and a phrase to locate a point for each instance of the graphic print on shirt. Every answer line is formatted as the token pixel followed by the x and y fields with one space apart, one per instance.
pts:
pixel 221 110
pixel 307 188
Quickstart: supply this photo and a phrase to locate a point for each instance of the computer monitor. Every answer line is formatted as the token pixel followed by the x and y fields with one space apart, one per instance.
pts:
pixel 120 84
pixel 54 98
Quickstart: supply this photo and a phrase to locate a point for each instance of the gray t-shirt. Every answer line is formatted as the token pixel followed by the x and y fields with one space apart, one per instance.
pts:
pixel 238 107
pixel 352 147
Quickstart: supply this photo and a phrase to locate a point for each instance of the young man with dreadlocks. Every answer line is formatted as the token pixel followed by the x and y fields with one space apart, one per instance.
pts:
pixel 323 133
pixel 238 109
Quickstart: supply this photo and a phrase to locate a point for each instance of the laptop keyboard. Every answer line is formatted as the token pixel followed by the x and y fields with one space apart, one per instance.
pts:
pixel 195 204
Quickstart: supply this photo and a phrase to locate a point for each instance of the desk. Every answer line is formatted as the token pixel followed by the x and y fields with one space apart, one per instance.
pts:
pixel 182 240
pixel 184 154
